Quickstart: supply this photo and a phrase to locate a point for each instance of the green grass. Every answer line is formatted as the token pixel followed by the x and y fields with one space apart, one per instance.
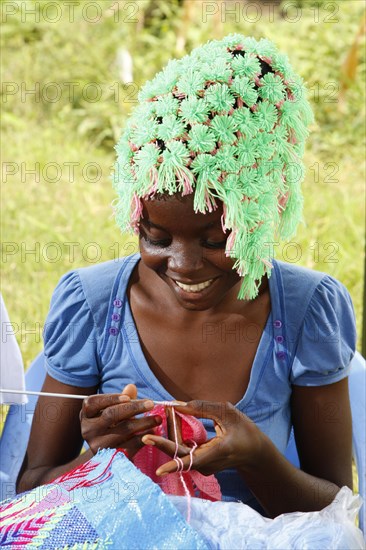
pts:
pixel 37 211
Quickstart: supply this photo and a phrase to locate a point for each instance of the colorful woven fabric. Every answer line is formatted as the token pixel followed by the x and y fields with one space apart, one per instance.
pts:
pixel 228 123
pixel 104 503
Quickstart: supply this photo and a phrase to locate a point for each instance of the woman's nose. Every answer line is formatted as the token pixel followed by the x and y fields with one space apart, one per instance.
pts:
pixel 185 259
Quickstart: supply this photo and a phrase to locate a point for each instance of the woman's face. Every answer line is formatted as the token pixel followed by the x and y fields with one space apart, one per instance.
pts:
pixel 187 251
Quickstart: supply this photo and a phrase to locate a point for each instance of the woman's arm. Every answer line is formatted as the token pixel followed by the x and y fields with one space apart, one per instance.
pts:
pixel 60 425
pixel 323 430
pixel 322 423
pixel 55 440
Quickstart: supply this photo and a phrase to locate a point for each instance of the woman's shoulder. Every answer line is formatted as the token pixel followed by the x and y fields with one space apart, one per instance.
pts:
pixel 304 284
pixel 100 279
pixel 75 328
pixel 310 297
pixel 294 272
pixel 91 289
pixel 320 324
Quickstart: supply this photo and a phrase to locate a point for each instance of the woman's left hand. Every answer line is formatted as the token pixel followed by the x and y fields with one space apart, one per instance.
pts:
pixel 237 444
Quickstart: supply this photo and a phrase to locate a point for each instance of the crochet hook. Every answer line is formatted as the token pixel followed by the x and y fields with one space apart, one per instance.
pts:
pixel 73 396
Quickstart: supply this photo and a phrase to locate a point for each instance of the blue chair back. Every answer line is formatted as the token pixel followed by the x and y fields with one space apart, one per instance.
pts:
pixel 16 431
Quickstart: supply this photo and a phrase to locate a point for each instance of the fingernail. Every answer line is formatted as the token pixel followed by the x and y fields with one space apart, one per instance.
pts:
pixel 178 404
pixel 124 398
pixel 160 473
pixel 149 405
pixel 147 441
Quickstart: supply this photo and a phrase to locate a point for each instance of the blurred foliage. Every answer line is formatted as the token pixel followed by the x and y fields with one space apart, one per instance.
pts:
pixel 69 54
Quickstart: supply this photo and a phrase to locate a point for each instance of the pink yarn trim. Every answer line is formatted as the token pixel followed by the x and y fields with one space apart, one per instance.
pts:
pixel 137 210
pixel 230 241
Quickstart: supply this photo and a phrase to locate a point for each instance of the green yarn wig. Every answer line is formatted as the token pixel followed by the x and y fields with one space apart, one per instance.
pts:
pixel 228 123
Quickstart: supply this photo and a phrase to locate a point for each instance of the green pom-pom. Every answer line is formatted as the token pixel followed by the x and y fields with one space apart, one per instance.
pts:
pixel 268 206
pixel 266 116
pixel 264 145
pixel 265 48
pixel 193 110
pixel 246 124
pixel 289 113
pixel 250 214
pixel 226 159
pixel 250 185
pixel 146 158
pixel 201 139
pixel 246 151
pixel 216 71
pixel 247 65
pixel 191 82
pixel 219 98
pixel 148 91
pixel 223 128
pixel 144 111
pixel 272 88
pixel 166 105
pixel 281 65
pixel 123 148
pixel 144 133
pixel 244 88
pixel 204 167
pixel 174 159
pixel 170 128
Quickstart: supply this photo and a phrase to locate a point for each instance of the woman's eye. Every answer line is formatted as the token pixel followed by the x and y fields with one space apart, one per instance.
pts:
pixel 209 244
pixel 154 242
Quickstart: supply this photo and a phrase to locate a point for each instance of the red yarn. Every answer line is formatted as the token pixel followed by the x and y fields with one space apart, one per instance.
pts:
pixel 149 458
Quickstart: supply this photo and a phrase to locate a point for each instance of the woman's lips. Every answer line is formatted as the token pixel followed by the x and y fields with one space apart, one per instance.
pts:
pixel 194 288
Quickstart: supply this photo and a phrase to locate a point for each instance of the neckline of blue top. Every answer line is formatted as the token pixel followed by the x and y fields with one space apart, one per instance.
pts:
pixel 273 334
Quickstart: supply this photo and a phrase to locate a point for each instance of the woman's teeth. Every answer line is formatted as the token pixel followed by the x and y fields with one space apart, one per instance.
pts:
pixel 194 288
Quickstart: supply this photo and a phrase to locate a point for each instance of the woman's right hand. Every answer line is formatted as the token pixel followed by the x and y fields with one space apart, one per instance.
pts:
pixel 108 420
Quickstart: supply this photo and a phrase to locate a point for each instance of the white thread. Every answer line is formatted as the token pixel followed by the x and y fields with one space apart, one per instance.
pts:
pixel 180 465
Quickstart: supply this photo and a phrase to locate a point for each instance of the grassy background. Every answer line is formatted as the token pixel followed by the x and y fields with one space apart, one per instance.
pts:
pixel 60 52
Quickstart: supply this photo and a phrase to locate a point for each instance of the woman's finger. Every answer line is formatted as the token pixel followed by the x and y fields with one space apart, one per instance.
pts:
pixel 114 442
pixel 134 426
pixel 130 390
pixel 224 414
pixel 93 404
pixel 204 459
pixel 120 435
pixel 166 445
pixel 114 407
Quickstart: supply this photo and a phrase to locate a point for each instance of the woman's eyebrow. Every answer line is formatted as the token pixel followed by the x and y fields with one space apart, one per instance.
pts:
pixel 155 225
pixel 152 224
pixel 213 224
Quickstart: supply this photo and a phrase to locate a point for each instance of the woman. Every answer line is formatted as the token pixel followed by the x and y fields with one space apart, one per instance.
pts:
pixel 208 175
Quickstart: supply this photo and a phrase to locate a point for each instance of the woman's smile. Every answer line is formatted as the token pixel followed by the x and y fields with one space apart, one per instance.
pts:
pixel 194 292
pixel 187 251
pixel 194 287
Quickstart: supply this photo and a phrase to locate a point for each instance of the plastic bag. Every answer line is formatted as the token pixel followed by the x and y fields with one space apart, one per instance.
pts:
pixel 233 525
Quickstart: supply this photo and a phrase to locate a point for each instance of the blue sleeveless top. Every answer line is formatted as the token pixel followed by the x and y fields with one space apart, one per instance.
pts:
pixel 309 340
